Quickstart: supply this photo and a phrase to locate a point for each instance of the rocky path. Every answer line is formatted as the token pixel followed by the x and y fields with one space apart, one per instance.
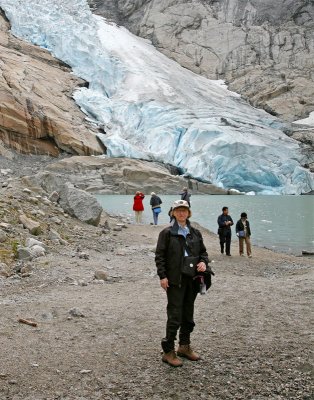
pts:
pixel 100 339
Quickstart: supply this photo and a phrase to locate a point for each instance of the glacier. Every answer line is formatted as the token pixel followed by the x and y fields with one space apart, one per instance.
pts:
pixel 153 109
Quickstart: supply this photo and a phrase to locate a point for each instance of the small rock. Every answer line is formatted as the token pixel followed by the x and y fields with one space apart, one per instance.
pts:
pixel 121 225
pixel 33 226
pixel 3 236
pixel 27 191
pixel 33 200
pixel 24 253
pixel 85 371
pixel 75 312
pixel 56 220
pixel 4 270
pixel 101 275
pixel 30 242
pixel 83 255
pixel 38 251
pixel 54 236
pixel 54 197
pixel 26 269
pixel 6 171
pixel 46 201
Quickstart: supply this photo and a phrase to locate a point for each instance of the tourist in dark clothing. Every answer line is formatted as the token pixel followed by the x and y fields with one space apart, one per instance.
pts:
pixel 175 243
pixel 170 215
pixel 185 195
pixel 155 202
pixel 224 231
pixel 243 232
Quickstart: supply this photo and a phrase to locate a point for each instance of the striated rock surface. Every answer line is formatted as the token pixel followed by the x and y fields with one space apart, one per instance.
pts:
pixel 37 112
pixel 263 49
pixel 116 176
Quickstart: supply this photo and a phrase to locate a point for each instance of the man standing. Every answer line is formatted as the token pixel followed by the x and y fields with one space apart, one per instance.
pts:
pixel 224 231
pixel 155 202
pixel 185 195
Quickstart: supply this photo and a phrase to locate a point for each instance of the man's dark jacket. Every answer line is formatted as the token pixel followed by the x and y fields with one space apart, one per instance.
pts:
pixel 155 201
pixel 170 252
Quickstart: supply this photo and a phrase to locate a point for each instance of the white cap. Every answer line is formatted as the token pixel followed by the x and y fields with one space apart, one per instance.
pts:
pixel 180 203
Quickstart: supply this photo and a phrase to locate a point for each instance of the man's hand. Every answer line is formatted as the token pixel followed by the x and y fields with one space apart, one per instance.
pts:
pixel 164 283
pixel 201 267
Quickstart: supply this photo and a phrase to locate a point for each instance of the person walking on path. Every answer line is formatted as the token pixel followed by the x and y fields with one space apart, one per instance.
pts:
pixel 224 231
pixel 185 195
pixel 243 232
pixel 138 206
pixel 175 243
pixel 155 202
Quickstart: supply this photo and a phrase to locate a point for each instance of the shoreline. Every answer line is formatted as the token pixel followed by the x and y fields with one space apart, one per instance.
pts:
pixel 279 251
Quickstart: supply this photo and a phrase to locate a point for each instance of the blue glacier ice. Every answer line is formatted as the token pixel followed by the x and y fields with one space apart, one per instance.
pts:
pixel 154 109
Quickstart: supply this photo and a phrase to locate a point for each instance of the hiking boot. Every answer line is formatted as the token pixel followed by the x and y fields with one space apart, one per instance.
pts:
pixel 184 350
pixel 172 359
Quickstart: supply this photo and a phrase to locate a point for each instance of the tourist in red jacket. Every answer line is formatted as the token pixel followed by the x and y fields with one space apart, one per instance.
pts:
pixel 138 206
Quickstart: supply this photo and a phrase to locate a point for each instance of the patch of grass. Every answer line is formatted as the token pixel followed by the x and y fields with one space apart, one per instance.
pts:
pixel 14 245
pixel 6 256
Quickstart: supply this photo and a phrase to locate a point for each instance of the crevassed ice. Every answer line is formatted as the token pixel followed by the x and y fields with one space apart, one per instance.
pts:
pixel 156 110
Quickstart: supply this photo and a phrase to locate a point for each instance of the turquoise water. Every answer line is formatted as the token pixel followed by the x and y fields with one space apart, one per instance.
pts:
pixel 281 223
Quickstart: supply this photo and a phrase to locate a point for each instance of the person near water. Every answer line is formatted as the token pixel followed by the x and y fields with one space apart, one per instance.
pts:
pixel 155 203
pixel 224 230
pixel 176 244
pixel 170 215
pixel 138 206
pixel 185 195
pixel 243 232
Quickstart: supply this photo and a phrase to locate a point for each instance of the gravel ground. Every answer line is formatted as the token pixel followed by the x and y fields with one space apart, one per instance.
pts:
pixel 101 339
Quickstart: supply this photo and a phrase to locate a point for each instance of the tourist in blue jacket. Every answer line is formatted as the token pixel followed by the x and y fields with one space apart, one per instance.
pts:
pixel 155 203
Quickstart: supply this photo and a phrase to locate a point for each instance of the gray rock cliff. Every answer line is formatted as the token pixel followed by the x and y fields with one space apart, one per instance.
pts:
pixel 264 49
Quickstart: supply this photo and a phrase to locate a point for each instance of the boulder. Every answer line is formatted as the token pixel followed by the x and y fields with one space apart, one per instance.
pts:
pixel 80 204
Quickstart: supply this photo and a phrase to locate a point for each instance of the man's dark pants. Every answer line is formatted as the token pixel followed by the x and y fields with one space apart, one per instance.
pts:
pixel 225 237
pixel 180 312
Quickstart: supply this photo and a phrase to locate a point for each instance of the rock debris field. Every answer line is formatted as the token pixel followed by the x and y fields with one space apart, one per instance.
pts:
pixel 99 314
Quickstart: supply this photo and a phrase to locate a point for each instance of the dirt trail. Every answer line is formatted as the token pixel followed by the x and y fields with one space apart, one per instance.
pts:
pixel 253 327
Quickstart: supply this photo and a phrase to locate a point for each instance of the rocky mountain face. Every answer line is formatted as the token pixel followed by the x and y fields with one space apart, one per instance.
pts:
pixel 121 176
pixel 263 49
pixel 37 112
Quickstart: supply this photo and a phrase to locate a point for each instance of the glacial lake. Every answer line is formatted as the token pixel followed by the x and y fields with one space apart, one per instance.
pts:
pixel 280 223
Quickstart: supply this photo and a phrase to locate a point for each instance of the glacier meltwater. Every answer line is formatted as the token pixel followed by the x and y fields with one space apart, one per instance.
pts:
pixel 152 108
